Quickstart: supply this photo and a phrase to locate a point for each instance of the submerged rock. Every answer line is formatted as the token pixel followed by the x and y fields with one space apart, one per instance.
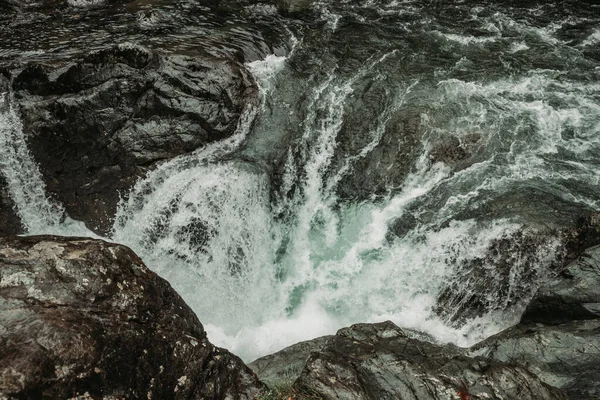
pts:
pixel 96 125
pixel 82 316
pixel 379 361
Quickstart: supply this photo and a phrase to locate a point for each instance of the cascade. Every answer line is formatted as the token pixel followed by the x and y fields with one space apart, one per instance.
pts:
pixel 267 258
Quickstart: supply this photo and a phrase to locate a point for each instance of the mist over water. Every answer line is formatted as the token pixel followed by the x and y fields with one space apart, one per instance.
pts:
pixel 324 210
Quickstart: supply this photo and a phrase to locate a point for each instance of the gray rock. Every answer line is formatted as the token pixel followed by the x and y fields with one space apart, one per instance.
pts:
pixel 10 223
pixel 97 124
pixel 565 356
pixel 82 318
pixel 284 367
pixel 379 361
pixel 573 295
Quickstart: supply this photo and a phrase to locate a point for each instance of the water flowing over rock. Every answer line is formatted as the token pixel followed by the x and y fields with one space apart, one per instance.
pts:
pixel 573 295
pixel 396 158
pixel 11 223
pixel 559 335
pixel 82 317
pixel 97 125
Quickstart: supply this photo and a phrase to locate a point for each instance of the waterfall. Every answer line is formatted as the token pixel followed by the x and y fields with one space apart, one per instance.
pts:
pixel 268 255
pixel 39 214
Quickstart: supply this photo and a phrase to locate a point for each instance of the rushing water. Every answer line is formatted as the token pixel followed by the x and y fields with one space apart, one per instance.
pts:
pixel 396 151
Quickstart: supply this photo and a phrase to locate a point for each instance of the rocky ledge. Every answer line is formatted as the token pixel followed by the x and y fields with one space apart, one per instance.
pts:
pixel 82 318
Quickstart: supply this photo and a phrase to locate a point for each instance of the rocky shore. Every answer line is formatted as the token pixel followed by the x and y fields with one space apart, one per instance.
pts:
pixel 83 318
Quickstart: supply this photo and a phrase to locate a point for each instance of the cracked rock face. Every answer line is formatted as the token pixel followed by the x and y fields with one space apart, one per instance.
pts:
pixel 97 124
pixel 82 318
pixel 379 361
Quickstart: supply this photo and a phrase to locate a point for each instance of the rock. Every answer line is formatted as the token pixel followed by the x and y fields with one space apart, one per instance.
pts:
pixel 98 124
pixel 10 223
pixel 82 318
pixel 455 151
pixel 488 283
pixel 389 162
pixel 559 335
pixel 379 361
pixel 572 295
pixel 284 367
pixel 565 356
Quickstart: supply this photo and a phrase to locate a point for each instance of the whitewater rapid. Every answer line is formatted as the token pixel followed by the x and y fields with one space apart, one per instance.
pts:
pixel 265 265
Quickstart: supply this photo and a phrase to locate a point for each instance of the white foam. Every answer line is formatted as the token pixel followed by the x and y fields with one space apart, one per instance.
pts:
pixel 38 213
pixel 592 39
pixel 85 3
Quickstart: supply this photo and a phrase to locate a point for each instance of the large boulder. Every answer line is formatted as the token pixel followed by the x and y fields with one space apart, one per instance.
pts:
pixel 574 294
pixel 565 356
pixel 82 317
pixel 284 367
pixel 379 361
pixel 559 335
pixel 96 125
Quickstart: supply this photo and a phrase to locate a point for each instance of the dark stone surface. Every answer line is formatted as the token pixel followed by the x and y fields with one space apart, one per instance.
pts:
pixel 559 335
pixel 10 223
pixel 96 125
pixel 566 356
pixel 572 295
pixel 389 162
pixel 379 361
pixel 485 283
pixel 82 317
pixel 284 367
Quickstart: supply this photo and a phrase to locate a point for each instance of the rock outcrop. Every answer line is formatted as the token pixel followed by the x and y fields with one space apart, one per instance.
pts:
pixel 559 334
pixel 381 361
pixel 566 356
pixel 284 367
pixel 572 295
pixel 82 318
pixel 97 125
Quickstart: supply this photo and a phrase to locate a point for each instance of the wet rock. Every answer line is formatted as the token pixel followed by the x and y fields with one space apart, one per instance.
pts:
pixel 487 283
pixel 455 151
pixel 565 356
pixel 284 367
pixel 502 278
pixel 559 335
pixel 85 318
pixel 10 223
pixel 572 295
pixel 98 124
pixel 391 159
pixel 379 361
